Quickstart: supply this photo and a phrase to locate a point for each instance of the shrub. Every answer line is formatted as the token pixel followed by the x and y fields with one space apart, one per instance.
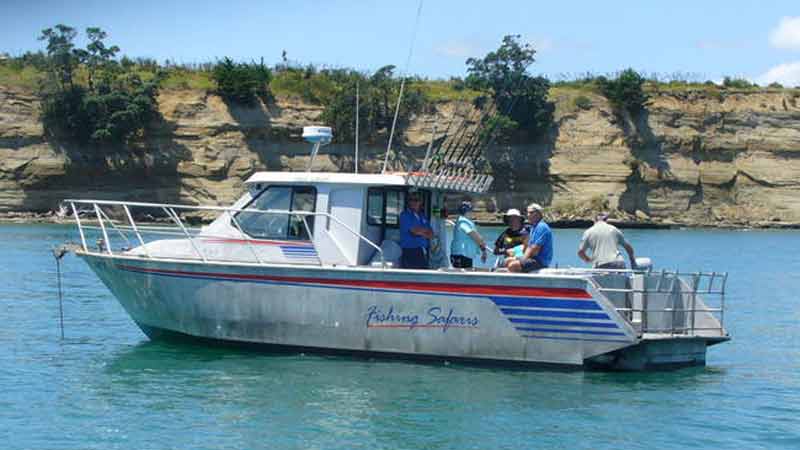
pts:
pixel 583 102
pixel 241 82
pixel 737 83
pixel 625 91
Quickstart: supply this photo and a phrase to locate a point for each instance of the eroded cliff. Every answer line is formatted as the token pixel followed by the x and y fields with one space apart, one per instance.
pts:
pixel 692 158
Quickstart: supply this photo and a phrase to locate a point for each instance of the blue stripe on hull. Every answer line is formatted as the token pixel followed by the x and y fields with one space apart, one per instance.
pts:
pixel 546 303
pixel 561 330
pixel 568 314
pixel 566 323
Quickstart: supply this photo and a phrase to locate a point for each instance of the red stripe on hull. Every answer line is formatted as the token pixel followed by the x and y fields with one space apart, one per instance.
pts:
pixel 451 288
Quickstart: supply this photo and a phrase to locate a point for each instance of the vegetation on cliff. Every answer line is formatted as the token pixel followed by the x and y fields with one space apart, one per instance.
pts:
pixel 87 95
pixel 377 102
pixel 241 82
pixel 92 95
pixel 519 99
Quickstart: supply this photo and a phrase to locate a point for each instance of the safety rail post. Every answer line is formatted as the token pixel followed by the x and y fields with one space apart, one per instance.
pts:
pixel 644 303
pixel 136 230
pixel 80 226
pixel 245 237
pixel 303 217
pixel 114 227
pixel 694 287
pixel 722 302
pixel 103 227
pixel 171 212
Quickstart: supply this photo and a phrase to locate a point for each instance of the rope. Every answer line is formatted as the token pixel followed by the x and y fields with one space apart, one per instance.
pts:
pixel 59 253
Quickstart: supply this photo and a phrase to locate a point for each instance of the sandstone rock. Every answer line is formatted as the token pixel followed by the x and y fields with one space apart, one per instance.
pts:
pixel 699 157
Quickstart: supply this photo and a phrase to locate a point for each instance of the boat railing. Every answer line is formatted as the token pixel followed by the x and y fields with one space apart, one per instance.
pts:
pixel 123 225
pixel 672 302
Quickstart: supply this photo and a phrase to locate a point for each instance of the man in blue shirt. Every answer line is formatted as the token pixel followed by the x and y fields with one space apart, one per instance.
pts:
pixel 539 251
pixel 415 234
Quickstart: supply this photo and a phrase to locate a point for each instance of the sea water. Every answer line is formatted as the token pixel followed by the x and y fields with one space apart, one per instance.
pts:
pixel 105 386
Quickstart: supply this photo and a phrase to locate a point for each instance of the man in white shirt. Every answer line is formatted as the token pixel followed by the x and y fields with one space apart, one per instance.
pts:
pixel 603 241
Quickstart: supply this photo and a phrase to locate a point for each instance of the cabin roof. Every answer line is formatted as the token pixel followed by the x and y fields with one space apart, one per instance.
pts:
pixel 472 184
pixel 372 179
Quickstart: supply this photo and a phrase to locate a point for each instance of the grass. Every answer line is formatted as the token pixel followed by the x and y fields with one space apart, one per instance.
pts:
pixel 317 87
pixel 444 90
pixel 26 77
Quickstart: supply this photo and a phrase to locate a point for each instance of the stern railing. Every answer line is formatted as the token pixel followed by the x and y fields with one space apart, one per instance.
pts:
pixel 126 225
pixel 670 302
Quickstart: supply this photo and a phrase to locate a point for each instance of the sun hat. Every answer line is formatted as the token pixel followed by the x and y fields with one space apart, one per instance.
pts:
pixel 513 212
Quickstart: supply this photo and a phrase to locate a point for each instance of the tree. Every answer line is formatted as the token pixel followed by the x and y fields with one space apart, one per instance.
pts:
pixel 378 96
pixel 503 76
pixel 115 105
pixel 61 53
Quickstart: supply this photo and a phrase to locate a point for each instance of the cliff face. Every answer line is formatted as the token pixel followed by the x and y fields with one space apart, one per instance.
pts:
pixel 691 158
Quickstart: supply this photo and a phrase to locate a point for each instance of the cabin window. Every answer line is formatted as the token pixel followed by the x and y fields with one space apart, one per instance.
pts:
pixel 280 225
pixel 384 206
pixel 395 203
pixel 375 207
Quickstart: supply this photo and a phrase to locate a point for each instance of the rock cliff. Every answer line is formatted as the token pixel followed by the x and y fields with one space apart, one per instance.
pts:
pixel 693 158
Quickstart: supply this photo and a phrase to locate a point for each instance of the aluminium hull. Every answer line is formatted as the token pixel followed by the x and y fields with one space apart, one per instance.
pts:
pixel 516 319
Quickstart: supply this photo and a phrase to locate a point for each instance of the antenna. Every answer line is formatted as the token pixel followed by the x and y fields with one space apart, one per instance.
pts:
pixel 355 165
pixel 402 85
pixel 318 136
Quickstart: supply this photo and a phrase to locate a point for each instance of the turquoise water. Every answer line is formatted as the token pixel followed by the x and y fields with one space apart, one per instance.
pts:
pixel 106 387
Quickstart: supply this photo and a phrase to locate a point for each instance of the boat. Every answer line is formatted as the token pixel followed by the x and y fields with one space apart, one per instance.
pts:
pixel 308 262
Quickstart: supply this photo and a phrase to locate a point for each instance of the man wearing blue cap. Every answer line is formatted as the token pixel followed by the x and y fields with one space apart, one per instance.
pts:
pixel 467 242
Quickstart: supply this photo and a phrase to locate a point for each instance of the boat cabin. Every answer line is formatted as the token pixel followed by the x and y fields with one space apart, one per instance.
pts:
pixel 331 218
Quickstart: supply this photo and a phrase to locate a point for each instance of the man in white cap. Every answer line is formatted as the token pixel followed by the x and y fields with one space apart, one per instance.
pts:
pixel 539 250
pixel 603 240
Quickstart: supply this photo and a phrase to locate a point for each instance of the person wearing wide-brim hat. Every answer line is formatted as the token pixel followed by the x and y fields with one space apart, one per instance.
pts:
pixel 467 243
pixel 513 236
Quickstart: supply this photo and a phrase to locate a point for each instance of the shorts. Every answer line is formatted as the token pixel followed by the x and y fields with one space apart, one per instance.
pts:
pixel 616 265
pixel 530 264
pixel 414 258
pixel 461 262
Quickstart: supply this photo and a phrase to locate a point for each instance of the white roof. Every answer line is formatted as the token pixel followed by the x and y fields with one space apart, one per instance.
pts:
pixel 476 184
pixel 372 179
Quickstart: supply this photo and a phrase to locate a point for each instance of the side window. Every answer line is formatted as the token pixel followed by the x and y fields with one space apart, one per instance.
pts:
pixel 304 199
pixel 375 207
pixel 279 225
pixel 395 203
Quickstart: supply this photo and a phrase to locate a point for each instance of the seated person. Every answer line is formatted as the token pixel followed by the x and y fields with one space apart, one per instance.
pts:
pixel 415 234
pixel 539 248
pixel 515 235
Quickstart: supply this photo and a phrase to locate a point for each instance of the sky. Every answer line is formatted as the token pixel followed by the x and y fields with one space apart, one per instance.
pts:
pixel 702 40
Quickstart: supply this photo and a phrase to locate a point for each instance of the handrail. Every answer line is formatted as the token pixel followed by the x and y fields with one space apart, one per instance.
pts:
pixel 169 209
pixel 683 294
